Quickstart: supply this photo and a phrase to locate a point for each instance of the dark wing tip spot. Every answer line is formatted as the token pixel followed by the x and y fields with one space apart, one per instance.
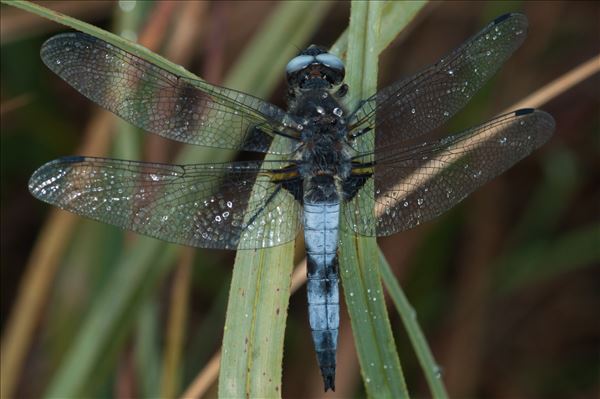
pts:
pixel 503 17
pixel 524 111
pixel 518 18
pixel 71 159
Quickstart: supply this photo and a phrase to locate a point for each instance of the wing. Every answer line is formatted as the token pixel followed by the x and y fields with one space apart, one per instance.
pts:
pixel 158 101
pixel 415 106
pixel 411 186
pixel 230 205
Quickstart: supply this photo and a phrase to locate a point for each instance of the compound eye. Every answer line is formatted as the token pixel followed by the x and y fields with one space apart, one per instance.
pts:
pixel 331 61
pixel 298 63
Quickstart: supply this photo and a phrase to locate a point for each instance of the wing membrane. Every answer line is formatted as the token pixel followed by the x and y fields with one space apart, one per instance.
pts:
pixel 415 106
pixel 416 185
pixel 208 206
pixel 172 106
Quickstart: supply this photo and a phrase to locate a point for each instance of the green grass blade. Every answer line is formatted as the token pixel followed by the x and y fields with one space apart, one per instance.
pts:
pixel 260 288
pixel 417 338
pixel 396 16
pixel 378 357
pixel 359 256
pixel 255 324
pixel 109 37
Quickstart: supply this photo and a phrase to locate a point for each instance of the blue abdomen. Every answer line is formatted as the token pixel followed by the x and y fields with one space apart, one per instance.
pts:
pixel 321 231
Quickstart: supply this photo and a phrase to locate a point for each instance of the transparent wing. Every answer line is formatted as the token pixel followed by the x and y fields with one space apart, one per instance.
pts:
pixel 208 206
pixel 172 106
pixel 417 105
pixel 413 185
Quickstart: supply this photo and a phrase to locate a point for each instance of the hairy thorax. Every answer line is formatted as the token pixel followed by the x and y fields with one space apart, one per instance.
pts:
pixel 325 150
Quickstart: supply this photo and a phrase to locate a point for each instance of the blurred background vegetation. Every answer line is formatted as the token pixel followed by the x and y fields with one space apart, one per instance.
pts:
pixel 506 285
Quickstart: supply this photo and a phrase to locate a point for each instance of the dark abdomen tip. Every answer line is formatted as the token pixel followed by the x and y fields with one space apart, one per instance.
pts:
pixel 328 374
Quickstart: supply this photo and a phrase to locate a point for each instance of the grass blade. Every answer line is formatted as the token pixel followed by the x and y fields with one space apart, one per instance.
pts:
pixel 109 37
pixel 417 338
pixel 254 328
pixel 396 16
pixel 359 256
pixel 175 334
pixel 252 350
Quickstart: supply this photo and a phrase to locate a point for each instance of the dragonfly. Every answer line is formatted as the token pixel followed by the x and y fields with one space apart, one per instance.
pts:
pixel 380 168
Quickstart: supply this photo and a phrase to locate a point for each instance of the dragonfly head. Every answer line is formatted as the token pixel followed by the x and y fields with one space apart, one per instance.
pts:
pixel 314 67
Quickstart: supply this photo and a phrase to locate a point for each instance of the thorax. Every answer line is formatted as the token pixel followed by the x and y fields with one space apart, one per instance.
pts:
pixel 324 149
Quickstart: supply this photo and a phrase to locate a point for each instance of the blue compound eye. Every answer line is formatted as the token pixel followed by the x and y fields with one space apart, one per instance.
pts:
pixel 330 61
pixel 298 63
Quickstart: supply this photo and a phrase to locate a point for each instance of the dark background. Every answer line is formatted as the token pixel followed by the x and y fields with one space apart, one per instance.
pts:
pixel 506 285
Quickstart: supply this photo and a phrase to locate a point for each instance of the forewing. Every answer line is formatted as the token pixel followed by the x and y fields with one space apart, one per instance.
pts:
pixel 411 186
pixel 158 101
pixel 230 205
pixel 415 106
